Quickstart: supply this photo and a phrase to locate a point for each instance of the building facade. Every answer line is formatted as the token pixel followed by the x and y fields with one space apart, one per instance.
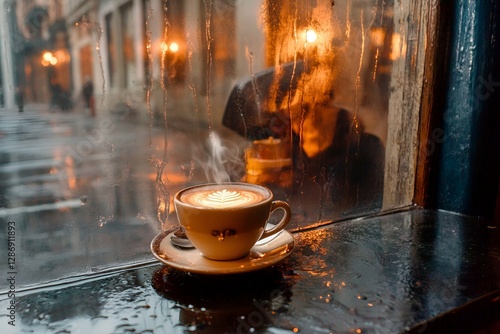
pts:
pixel 7 85
pixel 137 51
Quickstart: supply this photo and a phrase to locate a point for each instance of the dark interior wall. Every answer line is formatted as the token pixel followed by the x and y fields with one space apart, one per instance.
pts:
pixel 469 163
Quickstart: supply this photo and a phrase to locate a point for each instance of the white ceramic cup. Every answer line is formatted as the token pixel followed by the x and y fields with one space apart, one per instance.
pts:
pixel 224 221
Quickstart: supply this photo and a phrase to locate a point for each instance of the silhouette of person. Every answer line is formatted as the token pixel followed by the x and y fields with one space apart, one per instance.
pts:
pixel 88 94
pixel 20 98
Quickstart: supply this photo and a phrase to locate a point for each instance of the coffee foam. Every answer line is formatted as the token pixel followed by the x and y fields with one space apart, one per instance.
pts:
pixel 223 196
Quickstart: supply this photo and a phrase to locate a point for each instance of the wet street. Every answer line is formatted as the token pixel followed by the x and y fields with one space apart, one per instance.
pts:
pixel 80 191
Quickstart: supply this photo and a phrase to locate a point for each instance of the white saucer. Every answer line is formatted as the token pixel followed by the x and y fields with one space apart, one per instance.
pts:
pixel 265 253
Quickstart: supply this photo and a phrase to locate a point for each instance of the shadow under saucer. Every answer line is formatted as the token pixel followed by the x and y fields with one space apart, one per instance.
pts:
pixel 227 303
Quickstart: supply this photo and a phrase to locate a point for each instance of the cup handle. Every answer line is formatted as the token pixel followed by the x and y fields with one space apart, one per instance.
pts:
pixel 283 222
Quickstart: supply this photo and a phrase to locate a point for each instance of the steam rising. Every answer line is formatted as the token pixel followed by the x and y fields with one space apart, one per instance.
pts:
pixel 221 161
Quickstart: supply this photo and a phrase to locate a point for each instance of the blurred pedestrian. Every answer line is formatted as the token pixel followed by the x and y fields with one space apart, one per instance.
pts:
pixel 88 94
pixel 20 98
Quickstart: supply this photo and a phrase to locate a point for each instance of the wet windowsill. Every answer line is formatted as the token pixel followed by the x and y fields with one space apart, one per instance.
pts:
pixel 417 270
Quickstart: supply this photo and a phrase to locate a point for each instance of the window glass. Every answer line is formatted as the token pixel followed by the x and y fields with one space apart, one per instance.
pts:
pixel 110 107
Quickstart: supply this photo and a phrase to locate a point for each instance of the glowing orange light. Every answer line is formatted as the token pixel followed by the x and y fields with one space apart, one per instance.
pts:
pixel 70 172
pixel 311 36
pixel 398 47
pixel 174 47
pixel 47 56
pixel 48 59
pixel 377 36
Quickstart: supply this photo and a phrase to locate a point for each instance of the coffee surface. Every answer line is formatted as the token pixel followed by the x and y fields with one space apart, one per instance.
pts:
pixel 223 196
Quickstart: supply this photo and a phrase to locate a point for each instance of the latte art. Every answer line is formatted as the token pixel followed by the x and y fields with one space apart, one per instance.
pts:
pixel 223 198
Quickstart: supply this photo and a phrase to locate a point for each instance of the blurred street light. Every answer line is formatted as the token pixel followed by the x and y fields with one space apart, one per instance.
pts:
pixel 48 59
pixel 174 47
pixel 311 36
